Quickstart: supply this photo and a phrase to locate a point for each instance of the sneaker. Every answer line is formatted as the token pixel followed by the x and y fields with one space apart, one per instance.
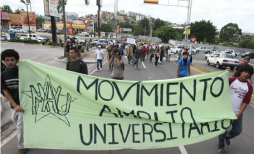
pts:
pixel 221 151
pixel 227 141
pixel 22 151
pixel 98 70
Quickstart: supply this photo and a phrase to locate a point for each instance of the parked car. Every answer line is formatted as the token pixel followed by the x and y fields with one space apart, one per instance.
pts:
pixel 36 37
pixel 21 35
pixel 49 30
pixel 3 38
pixel 250 54
pixel 206 50
pixel 177 48
pixel 231 51
pixel 59 32
pixel 193 49
pixel 102 42
pixel 223 59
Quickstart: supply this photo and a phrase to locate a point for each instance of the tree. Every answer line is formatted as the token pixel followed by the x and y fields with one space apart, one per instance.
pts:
pixel 180 36
pixel 145 24
pixel 40 20
pixel 17 11
pixel 243 43
pixel 106 28
pixel 6 8
pixel 247 37
pixel 158 23
pixel 166 32
pixel 250 45
pixel 230 33
pixel 138 30
pixel 203 30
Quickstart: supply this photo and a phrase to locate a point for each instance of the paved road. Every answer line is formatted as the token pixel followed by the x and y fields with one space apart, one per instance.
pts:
pixel 242 144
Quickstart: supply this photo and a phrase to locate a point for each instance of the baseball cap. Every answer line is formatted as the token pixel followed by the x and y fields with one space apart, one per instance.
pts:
pixel 247 57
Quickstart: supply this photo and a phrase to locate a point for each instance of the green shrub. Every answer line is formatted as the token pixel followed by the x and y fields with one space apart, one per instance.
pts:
pixel 30 41
pixel 50 43
pixel 250 45
pixel 15 40
pixel 244 43
pixel 58 44
pixel 43 43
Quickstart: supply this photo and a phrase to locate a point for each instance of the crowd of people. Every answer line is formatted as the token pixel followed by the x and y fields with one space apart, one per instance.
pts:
pixel 240 82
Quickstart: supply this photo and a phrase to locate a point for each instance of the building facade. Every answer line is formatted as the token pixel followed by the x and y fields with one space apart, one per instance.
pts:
pixel 116 7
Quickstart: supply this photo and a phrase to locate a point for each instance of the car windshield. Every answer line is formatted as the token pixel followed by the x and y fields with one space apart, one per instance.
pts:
pixel 227 56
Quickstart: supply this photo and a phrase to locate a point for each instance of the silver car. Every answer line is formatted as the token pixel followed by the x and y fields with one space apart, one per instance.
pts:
pixel 102 42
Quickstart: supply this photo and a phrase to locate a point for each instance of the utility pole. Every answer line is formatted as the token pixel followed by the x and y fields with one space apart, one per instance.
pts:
pixel 99 4
pixel 27 3
pixel 64 23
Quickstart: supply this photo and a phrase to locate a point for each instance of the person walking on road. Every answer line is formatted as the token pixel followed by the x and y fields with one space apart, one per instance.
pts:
pixel 240 93
pixel 129 53
pixel 117 62
pixel 87 46
pixel 144 53
pixel 10 87
pixel 157 56
pixel 236 72
pixel 183 69
pixel 76 64
pixel 138 56
pixel 169 54
pixel 99 56
pixel 109 55
pixel 150 57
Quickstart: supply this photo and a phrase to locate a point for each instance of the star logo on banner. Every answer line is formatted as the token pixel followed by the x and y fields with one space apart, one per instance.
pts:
pixel 48 100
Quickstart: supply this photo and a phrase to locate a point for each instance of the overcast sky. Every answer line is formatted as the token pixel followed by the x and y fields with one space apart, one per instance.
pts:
pixel 220 12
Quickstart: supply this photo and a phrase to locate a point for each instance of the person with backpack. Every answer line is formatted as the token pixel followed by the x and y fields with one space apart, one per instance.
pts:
pixel 76 64
pixel 118 65
pixel 240 93
pixel 183 69
pixel 138 56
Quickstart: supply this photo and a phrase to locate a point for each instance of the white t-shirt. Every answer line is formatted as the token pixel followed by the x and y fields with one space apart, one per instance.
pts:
pixel 169 52
pixel 240 92
pixel 99 53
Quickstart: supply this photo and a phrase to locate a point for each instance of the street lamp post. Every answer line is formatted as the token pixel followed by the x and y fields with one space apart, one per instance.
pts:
pixel 27 3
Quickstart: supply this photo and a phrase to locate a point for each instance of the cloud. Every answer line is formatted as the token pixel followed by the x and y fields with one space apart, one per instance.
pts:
pixel 220 12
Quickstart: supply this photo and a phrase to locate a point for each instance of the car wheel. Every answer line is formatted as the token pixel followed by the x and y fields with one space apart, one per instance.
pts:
pixel 192 52
pixel 205 57
pixel 218 65
pixel 197 51
pixel 208 52
pixel 208 63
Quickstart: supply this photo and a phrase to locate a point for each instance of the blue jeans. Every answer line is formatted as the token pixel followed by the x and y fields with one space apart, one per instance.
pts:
pixel 150 57
pixel 169 58
pixel 87 48
pixel 138 63
pixel 179 57
pixel 99 61
pixel 229 134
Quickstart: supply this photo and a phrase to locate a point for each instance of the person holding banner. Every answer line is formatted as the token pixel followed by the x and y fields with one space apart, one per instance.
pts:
pixel 183 69
pixel 116 59
pixel 240 92
pixel 10 87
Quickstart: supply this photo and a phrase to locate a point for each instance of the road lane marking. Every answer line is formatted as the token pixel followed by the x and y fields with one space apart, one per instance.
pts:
pixel 182 149
pixel 96 68
pixel 7 139
pixel 143 64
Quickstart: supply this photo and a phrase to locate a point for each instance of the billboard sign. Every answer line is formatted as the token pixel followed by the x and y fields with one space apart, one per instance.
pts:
pixel 46 7
pixel 24 20
pixel 53 8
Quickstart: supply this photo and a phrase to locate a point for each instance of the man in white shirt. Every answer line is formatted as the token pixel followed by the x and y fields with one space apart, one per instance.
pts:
pixel 99 56
pixel 169 54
